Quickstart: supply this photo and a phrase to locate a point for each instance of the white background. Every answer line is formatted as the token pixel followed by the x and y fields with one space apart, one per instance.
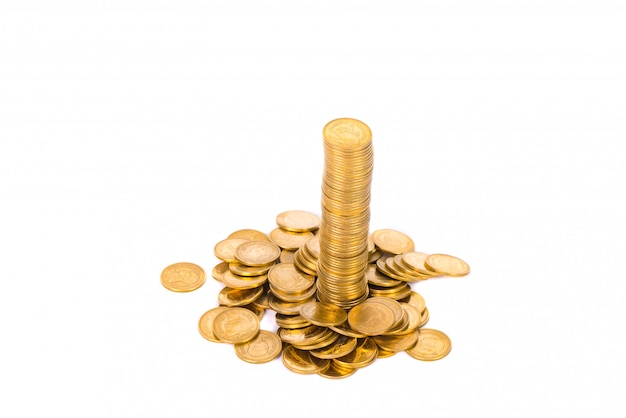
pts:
pixel 136 134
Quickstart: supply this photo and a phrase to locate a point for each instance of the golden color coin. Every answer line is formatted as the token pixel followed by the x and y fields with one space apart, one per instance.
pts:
pixel 183 277
pixel 289 240
pixel 238 297
pixel 205 324
pixel 342 347
pixel 396 342
pixel 393 242
pixel 417 301
pixel 249 234
pixel 363 355
pixel 225 249
pixel 298 221
pixel 287 256
pixel 286 278
pixel 447 265
pixel 243 270
pixel 266 346
pixel 219 270
pixel 371 318
pixel 236 325
pixel 415 261
pixel 257 253
pixel 431 345
pixel 347 133
pixel 323 314
pixel 336 371
pixel 299 361
pixel 241 282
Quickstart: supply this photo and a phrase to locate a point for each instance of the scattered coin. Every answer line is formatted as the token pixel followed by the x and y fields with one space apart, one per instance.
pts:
pixel 205 325
pixel 393 242
pixel 447 265
pixel 257 253
pixel 249 234
pixel 298 221
pixel 289 240
pixel 183 277
pixel 266 346
pixel 431 345
pixel 236 325
pixel 225 249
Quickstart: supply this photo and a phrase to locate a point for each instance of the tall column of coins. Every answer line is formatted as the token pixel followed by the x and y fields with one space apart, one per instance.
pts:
pixel 343 236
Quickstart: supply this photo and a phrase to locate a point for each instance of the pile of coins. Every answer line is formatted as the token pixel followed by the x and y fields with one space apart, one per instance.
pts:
pixel 342 298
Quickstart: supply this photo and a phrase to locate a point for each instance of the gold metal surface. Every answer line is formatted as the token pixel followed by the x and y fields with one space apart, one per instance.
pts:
pixel 257 253
pixel 183 277
pixel 265 347
pixel 298 221
pixel 447 265
pixel 431 345
pixel 236 325
pixel 391 241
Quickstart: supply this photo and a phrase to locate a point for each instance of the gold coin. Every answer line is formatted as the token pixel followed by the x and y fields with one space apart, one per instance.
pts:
pixel 342 347
pixel 294 297
pixel 265 347
pixel 396 342
pixel 284 307
pixel 287 256
pixel 447 265
pixel 371 318
pixel 248 271
pixel 425 317
pixel 205 324
pixel 431 345
pixel 299 361
pixel 396 292
pixel 249 234
pixel 291 321
pixel 327 339
pixel 255 309
pixel 336 371
pixel 303 336
pixel 415 261
pixel 237 297
pixel 363 355
pixel 393 242
pixel 289 240
pixel 374 277
pixel 396 308
pixel 344 329
pixel 347 133
pixel 219 270
pixel 257 253
pixel 225 249
pixel 236 325
pixel 323 314
pixel 183 277
pixel 286 278
pixel 382 353
pixel 414 319
pixel 298 221
pixel 262 301
pixel 416 300
pixel 241 282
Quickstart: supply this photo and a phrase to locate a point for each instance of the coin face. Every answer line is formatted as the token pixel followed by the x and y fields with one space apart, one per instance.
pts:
pixel 266 346
pixel 242 282
pixel 239 297
pixel 257 253
pixel 323 314
pixel 431 345
pixel 298 221
pixel 289 240
pixel 249 234
pixel 183 277
pixel 225 249
pixel 285 277
pixel 447 265
pixel 396 342
pixel 393 242
pixel 205 324
pixel 347 133
pixel 236 325
pixel 415 261
pixel 371 318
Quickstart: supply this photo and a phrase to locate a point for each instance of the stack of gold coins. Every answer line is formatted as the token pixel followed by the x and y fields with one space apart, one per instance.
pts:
pixel 343 236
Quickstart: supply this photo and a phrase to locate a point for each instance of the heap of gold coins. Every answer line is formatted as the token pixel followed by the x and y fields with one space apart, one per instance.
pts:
pixel 342 297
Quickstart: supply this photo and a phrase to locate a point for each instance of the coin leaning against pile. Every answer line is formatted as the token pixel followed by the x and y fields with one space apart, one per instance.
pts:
pixel 317 337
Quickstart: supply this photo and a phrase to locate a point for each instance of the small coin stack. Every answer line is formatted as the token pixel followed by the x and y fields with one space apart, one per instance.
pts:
pixel 343 256
pixel 342 298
